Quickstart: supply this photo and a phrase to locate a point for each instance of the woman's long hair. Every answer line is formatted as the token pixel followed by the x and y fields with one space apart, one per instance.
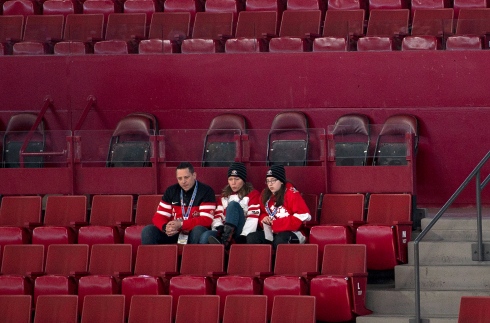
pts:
pixel 242 192
pixel 266 194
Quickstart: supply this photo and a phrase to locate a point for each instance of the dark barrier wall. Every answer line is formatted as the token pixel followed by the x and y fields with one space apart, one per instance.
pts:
pixel 447 91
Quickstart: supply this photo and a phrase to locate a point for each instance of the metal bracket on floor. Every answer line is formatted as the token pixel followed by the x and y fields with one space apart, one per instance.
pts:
pixel 486 251
pixel 419 321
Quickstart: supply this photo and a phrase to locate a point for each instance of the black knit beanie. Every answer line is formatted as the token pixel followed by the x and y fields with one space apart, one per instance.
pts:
pixel 239 170
pixel 278 172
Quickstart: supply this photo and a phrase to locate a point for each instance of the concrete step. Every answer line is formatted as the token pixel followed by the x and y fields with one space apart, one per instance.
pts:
pixel 401 319
pixel 456 223
pixel 397 302
pixel 455 235
pixel 448 277
pixel 442 253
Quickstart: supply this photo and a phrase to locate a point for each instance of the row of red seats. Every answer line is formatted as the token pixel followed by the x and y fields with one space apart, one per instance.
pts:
pixel 64 7
pixel 339 288
pixel 255 31
pixel 157 308
pixel 342 221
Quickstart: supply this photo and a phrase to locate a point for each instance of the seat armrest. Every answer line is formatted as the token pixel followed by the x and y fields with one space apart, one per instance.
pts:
pixel 169 274
pixel 264 274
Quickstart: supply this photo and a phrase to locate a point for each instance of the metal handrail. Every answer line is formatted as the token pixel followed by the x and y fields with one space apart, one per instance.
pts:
pixel 479 187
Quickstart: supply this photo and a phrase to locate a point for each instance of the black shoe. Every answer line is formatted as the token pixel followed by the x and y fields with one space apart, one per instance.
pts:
pixel 213 240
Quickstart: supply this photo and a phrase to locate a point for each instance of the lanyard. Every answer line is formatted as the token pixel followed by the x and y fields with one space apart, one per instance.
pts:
pixel 268 210
pixel 185 214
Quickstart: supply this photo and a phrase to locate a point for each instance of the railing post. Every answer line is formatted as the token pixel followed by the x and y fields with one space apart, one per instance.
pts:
pixel 417 281
pixel 479 217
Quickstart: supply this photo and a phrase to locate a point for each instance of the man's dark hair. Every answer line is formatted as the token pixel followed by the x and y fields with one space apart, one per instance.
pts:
pixel 185 165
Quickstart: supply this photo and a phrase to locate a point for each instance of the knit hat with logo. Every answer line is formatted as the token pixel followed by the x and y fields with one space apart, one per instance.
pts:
pixel 278 172
pixel 239 170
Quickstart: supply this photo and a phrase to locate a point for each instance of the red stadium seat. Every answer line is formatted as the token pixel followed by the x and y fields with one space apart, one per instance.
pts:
pixel 388 22
pixel 245 309
pixel 311 201
pixel 45 30
pixel 15 309
pixel 334 5
pixel 198 46
pixel 224 140
pixel 19 265
pixel 198 309
pixel 20 7
pixel 150 308
pixel 300 23
pixel 70 48
pixel 420 43
pixel 11 29
pixel 286 45
pixel 245 263
pixel 171 26
pixel 458 5
pixel 188 6
pixel 388 230
pixel 372 43
pixel 350 139
pixel 104 7
pixel 109 216
pixel 56 308
pixel 340 290
pixel 62 217
pixel 62 264
pixel 103 275
pixel 232 6
pixel 29 48
pixel 472 21
pixel 84 28
pixel 123 33
pixel 432 22
pixel 253 29
pixel 294 263
pixel 58 7
pixel 103 309
pixel 474 309
pixel 264 5
pixel 463 43
pixel 287 142
pixel 428 4
pixel 154 266
pixel 304 5
pixel 344 23
pixel 242 45
pixel 209 28
pixel 387 4
pixel 147 7
pixel 199 261
pixel 293 308
pixel 326 44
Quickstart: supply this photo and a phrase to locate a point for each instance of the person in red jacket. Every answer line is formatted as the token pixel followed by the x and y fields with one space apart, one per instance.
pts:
pixel 184 206
pixel 283 211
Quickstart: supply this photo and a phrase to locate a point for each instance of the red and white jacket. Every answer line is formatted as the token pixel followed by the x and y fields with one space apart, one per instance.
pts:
pixel 291 215
pixel 251 209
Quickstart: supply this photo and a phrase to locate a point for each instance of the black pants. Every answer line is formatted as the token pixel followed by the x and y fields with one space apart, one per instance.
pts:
pixel 258 237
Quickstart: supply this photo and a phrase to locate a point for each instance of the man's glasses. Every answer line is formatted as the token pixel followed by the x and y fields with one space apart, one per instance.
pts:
pixel 271 181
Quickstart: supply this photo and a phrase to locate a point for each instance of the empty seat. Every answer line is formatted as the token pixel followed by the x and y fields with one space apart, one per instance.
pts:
pixel 388 230
pixel 287 142
pixel 286 45
pixel 11 29
pixel 265 5
pixel 223 143
pixel 19 129
pixel 472 21
pixel 459 5
pixel 109 216
pixel 130 144
pixel 224 6
pixel 150 308
pixel 62 218
pixel 103 275
pixel 340 290
pixel 187 6
pixel 58 7
pixel 56 308
pixel 209 28
pixel 155 46
pixel 387 4
pixel 388 22
pixel 463 43
pixel 197 309
pixel 127 28
pixel 302 24
pixel 43 29
pixel 245 308
pixel 145 209
pixel 432 22
pixel 311 201
pixel 305 5
pixel 15 309
pixel 245 263
pixel 372 43
pixel 198 46
pixel 294 263
pixel 428 4
pixel 474 309
pixel 19 265
pixel 148 7
pixel 293 308
pixel 420 43
pixel 29 48
pixel 62 264
pixel 334 5
pixel 344 23
pixel 111 47
pixel 103 309
pixel 350 139
pixel 397 141
pixel 173 26
pixel 20 7
pixel 242 45
pixel 199 261
pixel 324 44
pixel 252 29
pixel 80 32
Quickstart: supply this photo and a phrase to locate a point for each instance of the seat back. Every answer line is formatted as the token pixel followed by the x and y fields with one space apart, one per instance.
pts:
pixel 130 144
pixel 253 24
pixel 58 7
pixel 150 308
pixel 44 28
pixel 170 25
pixel 245 308
pixel 103 309
pixel 126 26
pixel 56 308
pixel 311 201
pixel 432 22
pixel 197 309
pixel 20 210
pixel 119 255
pixel 293 308
pixel 299 23
pixel 64 259
pixel 351 136
pixel 344 259
pixel 344 23
pixel 388 22
pixel 146 207
pixel 340 209
pixel 108 210
pixel 15 308
pixel 64 210
pixel 211 25
pixel 22 259
pixel 84 28
pixel 20 7
pixel 474 309
pixel 11 28
pixel 287 143
pixel 200 260
pixel 295 259
pixel 387 208
pixel 18 128
pixel 222 143
pixel 247 259
pixel 104 7
pixel 473 21
pixel 154 260
pixel 392 147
